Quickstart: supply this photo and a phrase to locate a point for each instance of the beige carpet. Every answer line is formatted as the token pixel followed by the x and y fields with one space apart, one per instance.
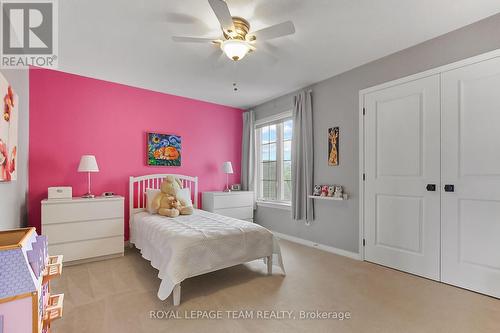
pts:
pixel 117 295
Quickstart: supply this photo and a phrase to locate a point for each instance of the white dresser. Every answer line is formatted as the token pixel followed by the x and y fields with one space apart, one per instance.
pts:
pixel 84 229
pixel 237 204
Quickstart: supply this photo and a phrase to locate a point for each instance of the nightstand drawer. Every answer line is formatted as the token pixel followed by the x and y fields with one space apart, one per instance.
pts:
pixel 74 211
pixel 88 249
pixel 242 213
pixel 233 200
pixel 84 230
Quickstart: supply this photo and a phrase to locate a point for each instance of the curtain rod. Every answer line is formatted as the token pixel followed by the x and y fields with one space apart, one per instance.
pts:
pixel 308 90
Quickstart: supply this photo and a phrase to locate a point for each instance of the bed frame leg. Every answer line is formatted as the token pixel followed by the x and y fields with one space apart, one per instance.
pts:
pixel 177 294
pixel 270 265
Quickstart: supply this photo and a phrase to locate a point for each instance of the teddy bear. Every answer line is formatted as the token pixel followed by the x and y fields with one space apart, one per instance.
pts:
pixel 167 203
pixel 324 190
pixel 317 190
pixel 338 192
pixel 169 206
pixel 331 190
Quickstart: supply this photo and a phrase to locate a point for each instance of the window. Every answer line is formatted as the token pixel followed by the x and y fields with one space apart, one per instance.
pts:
pixel 274 160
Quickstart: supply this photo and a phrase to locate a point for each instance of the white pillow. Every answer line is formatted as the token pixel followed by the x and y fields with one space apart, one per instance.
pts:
pixel 150 196
pixel 185 194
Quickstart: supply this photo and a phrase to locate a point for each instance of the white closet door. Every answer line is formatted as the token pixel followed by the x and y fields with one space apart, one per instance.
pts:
pixel 471 162
pixel 402 156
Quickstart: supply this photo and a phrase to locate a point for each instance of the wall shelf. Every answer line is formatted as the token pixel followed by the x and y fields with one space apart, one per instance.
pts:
pixel 326 198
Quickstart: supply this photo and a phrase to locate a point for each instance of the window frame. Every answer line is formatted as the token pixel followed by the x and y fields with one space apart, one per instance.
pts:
pixel 278 119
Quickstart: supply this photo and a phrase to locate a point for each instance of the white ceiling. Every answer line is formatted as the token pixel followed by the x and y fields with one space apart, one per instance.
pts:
pixel 129 41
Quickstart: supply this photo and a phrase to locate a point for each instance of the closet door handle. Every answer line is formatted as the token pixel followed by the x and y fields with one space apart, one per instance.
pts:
pixel 449 188
pixel 431 187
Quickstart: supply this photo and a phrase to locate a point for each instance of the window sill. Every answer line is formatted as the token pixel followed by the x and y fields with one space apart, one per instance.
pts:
pixel 275 204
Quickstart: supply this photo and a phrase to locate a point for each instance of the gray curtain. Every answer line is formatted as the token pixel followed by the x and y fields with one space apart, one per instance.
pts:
pixel 248 151
pixel 302 157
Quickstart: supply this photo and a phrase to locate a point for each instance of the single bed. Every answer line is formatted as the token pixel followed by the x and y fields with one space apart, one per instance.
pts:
pixel 191 245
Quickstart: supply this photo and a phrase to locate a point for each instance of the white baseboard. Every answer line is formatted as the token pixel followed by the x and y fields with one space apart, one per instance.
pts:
pixel 331 249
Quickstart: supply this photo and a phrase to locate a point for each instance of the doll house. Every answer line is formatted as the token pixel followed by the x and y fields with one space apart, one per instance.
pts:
pixel 26 303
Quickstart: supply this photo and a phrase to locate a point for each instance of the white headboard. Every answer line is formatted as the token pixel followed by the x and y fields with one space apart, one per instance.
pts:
pixel 138 186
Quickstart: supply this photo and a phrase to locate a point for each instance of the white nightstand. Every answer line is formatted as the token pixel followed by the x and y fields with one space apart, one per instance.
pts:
pixel 237 204
pixel 84 229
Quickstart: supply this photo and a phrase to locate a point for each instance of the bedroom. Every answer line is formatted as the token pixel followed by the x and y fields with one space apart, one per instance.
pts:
pixel 327 174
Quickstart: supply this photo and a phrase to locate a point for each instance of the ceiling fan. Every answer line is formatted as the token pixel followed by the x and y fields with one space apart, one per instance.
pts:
pixel 238 41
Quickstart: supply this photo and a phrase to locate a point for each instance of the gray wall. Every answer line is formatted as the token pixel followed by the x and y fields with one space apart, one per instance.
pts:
pixel 13 194
pixel 335 103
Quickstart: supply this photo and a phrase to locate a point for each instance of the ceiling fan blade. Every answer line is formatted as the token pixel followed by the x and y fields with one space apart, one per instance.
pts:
pixel 181 39
pixel 223 14
pixel 274 31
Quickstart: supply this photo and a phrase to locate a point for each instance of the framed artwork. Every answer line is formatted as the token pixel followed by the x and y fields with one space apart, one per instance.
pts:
pixel 163 149
pixel 333 146
pixel 9 117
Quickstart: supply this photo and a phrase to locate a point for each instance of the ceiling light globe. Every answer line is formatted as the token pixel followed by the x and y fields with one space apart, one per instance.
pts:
pixel 235 49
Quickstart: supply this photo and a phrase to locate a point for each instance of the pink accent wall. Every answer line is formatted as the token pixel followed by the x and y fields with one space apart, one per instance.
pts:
pixel 71 115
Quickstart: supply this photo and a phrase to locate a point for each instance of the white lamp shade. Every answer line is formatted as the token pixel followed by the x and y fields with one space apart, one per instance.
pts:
pixel 235 49
pixel 88 163
pixel 227 167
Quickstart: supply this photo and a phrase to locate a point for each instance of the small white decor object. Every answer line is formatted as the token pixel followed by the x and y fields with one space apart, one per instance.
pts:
pixel 338 192
pixel 60 192
pixel 227 168
pixel 331 190
pixel 317 190
pixel 88 164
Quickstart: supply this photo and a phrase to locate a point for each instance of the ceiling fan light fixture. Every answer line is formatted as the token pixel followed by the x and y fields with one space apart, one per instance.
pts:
pixel 235 49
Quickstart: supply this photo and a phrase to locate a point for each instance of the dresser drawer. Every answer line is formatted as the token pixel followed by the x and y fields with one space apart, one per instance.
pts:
pixel 81 211
pixel 88 249
pixel 77 231
pixel 233 200
pixel 241 213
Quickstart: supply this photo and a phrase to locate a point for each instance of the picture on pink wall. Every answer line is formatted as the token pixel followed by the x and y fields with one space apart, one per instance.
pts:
pixel 164 149
pixel 8 132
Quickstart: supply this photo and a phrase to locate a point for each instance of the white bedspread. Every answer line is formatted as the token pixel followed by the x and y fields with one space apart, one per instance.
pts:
pixel 191 245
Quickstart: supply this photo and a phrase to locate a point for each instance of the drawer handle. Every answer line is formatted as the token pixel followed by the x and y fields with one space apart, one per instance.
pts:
pixel 431 187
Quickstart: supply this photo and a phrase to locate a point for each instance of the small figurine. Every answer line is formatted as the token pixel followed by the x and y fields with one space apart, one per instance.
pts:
pixel 331 190
pixel 338 191
pixel 317 190
pixel 324 190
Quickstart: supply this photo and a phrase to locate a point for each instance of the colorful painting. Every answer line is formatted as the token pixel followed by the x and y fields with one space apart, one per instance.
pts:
pixel 8 132
pixel 164 149
pixel 333 146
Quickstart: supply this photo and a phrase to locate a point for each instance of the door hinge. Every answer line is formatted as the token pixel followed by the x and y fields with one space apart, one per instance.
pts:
pixel 364 242
pixel 364 111
pixel 364 177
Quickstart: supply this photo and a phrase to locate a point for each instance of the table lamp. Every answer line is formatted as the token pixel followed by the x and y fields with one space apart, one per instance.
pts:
pixel 88 164
pixel 227 168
